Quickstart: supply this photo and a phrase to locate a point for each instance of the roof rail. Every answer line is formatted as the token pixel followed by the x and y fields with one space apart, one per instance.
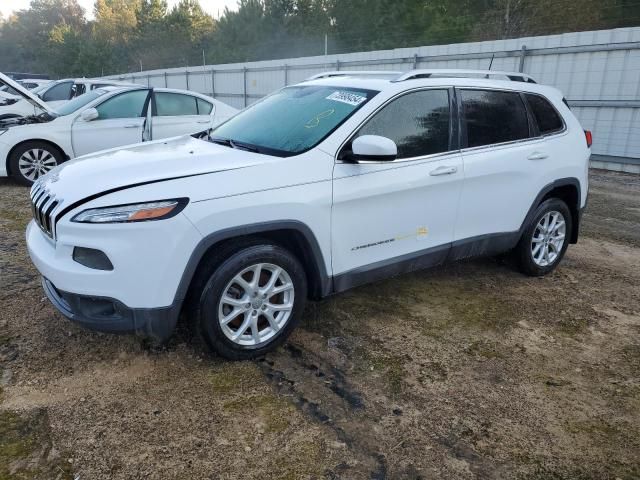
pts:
pixel 455 73
pixel 354 73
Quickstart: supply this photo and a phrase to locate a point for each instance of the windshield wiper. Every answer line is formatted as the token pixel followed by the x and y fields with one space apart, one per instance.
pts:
pixel 227 142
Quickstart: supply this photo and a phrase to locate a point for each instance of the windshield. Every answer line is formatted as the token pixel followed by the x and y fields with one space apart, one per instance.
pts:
pixel 80 102
pixel 293 119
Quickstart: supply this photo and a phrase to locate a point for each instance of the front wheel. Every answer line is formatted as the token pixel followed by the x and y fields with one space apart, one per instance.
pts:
pixel 545 240
pixel 31 160
pixel 249 304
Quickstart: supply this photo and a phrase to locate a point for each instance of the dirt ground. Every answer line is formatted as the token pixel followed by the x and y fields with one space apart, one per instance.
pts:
pixel 469 371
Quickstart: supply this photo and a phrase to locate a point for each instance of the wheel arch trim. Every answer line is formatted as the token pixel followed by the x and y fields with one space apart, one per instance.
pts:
pixel 576 210
pixel 212 239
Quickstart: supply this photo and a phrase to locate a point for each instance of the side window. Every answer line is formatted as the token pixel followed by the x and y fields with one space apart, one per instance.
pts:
pixel 77 90
pixel 125 105
pixel 174 104
pixel 494 117
pixel 60 91
pixel 204 107
pixel 418 122
pixel 546 116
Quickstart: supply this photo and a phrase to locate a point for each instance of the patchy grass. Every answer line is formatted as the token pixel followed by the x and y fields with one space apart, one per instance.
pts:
pixel 13 220
pixel 485 349
pixel 272 413
pixel 230 377
pixel 303 461
pixel 25 448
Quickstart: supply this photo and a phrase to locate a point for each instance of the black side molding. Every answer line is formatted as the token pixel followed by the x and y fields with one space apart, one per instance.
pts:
pixel 575 209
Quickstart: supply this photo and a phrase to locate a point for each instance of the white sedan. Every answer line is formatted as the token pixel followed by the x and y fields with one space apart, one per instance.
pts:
pixel 104 118
pixel 54 93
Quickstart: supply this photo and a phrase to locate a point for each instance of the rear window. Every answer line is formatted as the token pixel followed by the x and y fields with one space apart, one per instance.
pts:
pixel 494 117
pixel 546 116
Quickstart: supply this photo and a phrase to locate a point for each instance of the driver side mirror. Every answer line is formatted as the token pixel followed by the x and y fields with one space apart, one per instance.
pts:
pixel 89 114
pixel 374 148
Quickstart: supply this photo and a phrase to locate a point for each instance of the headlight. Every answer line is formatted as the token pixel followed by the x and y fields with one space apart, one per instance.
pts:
pixel 135 212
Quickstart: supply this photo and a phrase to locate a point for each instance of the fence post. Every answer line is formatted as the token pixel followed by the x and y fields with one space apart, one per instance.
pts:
pixel 523 54
pixel 148 80
pixel 415 61
pixel 337 65
pixel 286 75
pixel 186 71
pixel 166 84
pixel 213 83
pixel 244 82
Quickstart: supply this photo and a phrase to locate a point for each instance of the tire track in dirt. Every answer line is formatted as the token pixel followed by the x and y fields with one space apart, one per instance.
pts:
pixel 322 392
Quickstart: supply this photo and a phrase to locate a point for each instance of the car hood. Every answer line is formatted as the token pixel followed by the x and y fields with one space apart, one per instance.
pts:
pixel 26 94
pixel 112 170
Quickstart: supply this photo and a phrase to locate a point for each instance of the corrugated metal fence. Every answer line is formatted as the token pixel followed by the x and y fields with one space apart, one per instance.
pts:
pixel 599 73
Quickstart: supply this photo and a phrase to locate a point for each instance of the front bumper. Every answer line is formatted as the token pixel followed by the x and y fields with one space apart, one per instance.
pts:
pixel 140 295
pixel 108 315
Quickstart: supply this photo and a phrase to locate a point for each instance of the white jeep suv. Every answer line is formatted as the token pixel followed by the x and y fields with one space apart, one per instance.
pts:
pixel 343 179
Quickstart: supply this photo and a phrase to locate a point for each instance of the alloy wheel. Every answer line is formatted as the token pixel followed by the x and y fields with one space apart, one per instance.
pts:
pixel 35 163
pixel 256 304
pixel 548 238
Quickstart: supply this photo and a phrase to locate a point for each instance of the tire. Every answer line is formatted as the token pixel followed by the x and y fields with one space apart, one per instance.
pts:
pixel 540 251
pixel 222 275
pixel 30 160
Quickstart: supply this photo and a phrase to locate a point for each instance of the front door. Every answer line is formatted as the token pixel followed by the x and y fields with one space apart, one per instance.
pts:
pixel 394 216
pixel 121 121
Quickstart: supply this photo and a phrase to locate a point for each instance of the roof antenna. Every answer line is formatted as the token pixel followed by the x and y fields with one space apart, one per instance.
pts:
pixel 491 63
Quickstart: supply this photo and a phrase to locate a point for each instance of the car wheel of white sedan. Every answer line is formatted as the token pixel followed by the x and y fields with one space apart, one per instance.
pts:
pixel 31 160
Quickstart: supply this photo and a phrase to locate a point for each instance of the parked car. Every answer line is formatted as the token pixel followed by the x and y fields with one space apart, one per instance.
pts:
pixel 104 118
pixel 32 83
pixel 338 181
pixel 55 94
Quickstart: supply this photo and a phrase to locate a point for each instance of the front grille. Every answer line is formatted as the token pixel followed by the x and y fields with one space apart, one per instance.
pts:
pixel 43 204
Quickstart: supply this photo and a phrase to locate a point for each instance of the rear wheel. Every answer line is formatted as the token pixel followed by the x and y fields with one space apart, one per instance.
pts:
pixel 31 160
pixel 545 240
pixel 250 302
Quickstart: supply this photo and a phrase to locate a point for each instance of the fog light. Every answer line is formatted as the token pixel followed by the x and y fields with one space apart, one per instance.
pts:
pixel 92 258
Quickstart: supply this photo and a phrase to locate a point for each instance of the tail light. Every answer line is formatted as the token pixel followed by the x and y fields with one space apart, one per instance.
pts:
pixel 589 136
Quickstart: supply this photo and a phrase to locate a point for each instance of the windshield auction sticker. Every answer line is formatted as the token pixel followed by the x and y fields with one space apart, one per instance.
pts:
pixel 349 98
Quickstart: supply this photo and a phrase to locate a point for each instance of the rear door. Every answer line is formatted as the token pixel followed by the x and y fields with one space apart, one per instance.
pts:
pixel 121 121
pixel 504 163
pixel 178 114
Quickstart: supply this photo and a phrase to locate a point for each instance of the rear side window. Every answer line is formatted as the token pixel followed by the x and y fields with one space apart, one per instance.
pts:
pixel 417 122
pixel 204 107
pixel 494 117
pixel 175 104
pixel 546 116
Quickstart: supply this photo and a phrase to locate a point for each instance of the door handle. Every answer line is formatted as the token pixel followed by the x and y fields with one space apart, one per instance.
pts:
pixel 132 125
pixel 537 156
pixel 204 121
pixel 443 171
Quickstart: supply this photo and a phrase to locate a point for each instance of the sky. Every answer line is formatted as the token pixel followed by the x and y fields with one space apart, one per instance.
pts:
pixel 214 7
